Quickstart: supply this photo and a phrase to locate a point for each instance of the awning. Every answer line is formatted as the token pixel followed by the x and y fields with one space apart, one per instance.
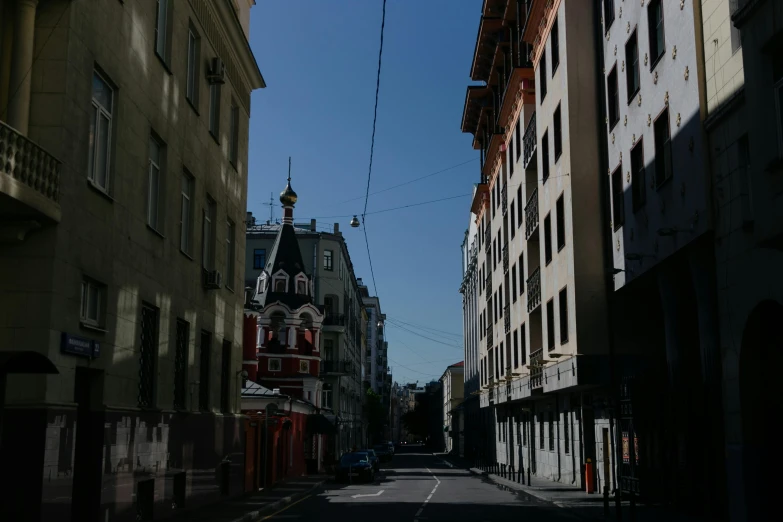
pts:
pixel 317 423
pixel 25 361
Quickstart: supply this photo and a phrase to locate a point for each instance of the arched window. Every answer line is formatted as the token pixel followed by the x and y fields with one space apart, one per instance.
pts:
pixel 301 287
pixel 280 285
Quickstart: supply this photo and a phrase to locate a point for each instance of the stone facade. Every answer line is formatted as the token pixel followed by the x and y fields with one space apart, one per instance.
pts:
pixel 119 270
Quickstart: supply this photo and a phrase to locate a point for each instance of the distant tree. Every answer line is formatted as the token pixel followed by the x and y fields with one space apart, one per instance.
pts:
pixel 416 421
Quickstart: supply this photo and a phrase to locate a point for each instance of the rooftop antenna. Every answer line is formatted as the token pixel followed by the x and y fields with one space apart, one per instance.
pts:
pixel 271 206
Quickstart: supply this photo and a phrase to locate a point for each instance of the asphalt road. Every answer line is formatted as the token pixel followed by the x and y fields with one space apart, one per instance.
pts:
pixel 417 486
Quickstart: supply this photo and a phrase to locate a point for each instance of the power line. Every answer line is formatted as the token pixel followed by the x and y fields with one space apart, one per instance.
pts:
pixel 424 336
pixel 414 180
pixel 421 327
pixel 394 208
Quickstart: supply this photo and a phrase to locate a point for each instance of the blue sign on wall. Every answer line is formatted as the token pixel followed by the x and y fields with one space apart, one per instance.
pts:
pixel 80 346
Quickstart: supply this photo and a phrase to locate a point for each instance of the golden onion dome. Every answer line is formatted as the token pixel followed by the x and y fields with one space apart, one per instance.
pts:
pixel 288 196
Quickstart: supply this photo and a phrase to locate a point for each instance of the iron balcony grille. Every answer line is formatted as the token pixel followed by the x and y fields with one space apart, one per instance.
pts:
pixel 531 214
pixel 534 290
pixel 28 163
pixel 505 258
pixel 507 318
pixel 149 334
pixel 336 367
pixel 489 288
pixel 489 337
pixel 537 368
pixel 529 143
pixel 487 238
pixel 181 365
pixel 334 320
pixel 504 199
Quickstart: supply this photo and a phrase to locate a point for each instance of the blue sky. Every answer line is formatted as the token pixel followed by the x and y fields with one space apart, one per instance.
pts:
pixel 319 60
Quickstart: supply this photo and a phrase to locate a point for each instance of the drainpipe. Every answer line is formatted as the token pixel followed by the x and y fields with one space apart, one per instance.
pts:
pixel 607 240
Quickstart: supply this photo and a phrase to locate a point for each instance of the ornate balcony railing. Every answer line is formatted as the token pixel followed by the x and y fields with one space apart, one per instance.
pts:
pixel 507 318
pixel 488 284
pixel 504 199
pixel 334 320
pixel 505 258
pixel 534 290
pixel 335 367
pixel 28 173
pixel 487 238
pixel 529 142
pixel 537 368
pixel 531 214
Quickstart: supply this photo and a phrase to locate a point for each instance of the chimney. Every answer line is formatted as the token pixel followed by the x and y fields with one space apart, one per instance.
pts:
pixel 250 221
pixel 337 228
pixel 312 225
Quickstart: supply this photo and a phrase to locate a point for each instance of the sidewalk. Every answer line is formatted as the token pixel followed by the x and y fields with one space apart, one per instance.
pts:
pixel 253 506
pixel 575 500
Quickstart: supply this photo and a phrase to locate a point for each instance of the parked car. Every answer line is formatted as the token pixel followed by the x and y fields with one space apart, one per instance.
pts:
pixel 374 460
pixel 382 451
pixel 390 444
pixel 355 465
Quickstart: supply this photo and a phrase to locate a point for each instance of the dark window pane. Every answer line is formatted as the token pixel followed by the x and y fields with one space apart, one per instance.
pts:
pixel 560 215
pixel 563 302
pixel 618 207
pixel 548 239
pixel 638 179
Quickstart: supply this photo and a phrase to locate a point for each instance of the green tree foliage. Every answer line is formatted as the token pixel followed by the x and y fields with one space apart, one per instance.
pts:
pixel 375 413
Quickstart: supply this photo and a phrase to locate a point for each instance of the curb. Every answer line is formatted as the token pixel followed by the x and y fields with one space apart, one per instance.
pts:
pixel 257 514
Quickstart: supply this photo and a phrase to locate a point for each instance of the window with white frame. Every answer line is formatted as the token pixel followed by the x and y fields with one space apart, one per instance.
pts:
pixel 275 364
pixel 328 260
pixel 98 164
pixel 214 109
pixel 156 160
pixel 208 235
pixel 233 136
pixel 280 284
pixel 326 397
pixel 186 213
pixel 194 53
pixel 93 298
pixel 230 249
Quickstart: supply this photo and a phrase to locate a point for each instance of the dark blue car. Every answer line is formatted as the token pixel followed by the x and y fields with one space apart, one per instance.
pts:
pixel 355 466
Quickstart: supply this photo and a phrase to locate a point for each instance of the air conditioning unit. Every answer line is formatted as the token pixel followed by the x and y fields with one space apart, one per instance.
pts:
pixel 217 71
pixel 212 279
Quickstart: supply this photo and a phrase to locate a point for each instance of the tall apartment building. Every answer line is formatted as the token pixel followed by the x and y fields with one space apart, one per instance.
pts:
pixel 342 340
pixel 542 268
pixel 123 183
pixel 453 385
pixel 376 356
pixel 743 46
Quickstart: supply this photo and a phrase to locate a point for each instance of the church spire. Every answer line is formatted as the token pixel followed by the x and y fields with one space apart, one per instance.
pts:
pixel 288 199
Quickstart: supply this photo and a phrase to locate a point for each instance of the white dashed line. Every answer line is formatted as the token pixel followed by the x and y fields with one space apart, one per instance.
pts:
pixel 421 509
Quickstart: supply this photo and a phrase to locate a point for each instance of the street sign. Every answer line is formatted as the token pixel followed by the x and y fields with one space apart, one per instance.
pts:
pixel 79 346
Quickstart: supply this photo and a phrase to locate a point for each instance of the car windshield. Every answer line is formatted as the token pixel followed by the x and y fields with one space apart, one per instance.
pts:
pixel 353 458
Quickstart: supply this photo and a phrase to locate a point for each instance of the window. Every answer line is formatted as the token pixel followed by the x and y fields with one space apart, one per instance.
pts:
pixel 512 213
pixel 516 350
pixel 259 258
pixel 551 431
pixel 566 436
pixel 280 284
pixel 563 302
pixel 162 30
pixel 548 239
pixel 655 31
pixel 514 282
pixel 511 156
pixel 560 225
pixel 328 260
pixel 225 378
pixel 147 355
pixel 98 164
pixel 301 287
pixel 779 102
pixel 181 364
pixel 545 156
pixel 186 214
pixel 542 75
pixel 638 179
pixel 326 397
pixel 556 123
pixel 736 37
pixel 208 235
pixel 214 109
pixel 521 274
pixel 233 137
pixel 608 14
pixel 275 364
pixel 663 149
pixel 519 136
pixel 550 324
pixel 194 57
pixel 156 160
pixel 520 208
pixel 522 344
pixel 613 98
pixel 632 66
pixel 205 355
pixel 618 205
pixel 230 253
pixel 93 298
pixel 555 46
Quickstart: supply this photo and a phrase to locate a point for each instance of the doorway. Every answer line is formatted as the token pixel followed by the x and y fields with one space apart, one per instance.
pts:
pixel 88 457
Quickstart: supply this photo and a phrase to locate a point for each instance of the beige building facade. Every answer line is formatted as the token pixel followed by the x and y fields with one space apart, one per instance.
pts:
pixel 123 190
pixel 453 384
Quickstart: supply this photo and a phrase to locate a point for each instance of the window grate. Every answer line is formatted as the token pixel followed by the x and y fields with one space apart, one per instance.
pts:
pixel 149 334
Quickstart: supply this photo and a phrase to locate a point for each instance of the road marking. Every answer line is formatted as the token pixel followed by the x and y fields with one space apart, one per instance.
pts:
pixel 369 494
pixel 292 504
pixel 421 509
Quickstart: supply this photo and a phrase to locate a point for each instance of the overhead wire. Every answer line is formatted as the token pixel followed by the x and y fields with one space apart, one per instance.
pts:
pixel 424 336
pixel 421 327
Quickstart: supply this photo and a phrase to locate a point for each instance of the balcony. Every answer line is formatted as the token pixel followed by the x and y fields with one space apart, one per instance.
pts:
pixel 336 367
pixel 504 199
pixel 507 318
pixel 531 214
pixel 537 369
pixel 29 181
pixel 534 290
pixel 488 284
pixel 490 340
pixel 505 258
pixel 334 320
pixel 529 143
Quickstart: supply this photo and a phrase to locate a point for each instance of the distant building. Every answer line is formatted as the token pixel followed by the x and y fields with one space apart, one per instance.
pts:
pixel 453 388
